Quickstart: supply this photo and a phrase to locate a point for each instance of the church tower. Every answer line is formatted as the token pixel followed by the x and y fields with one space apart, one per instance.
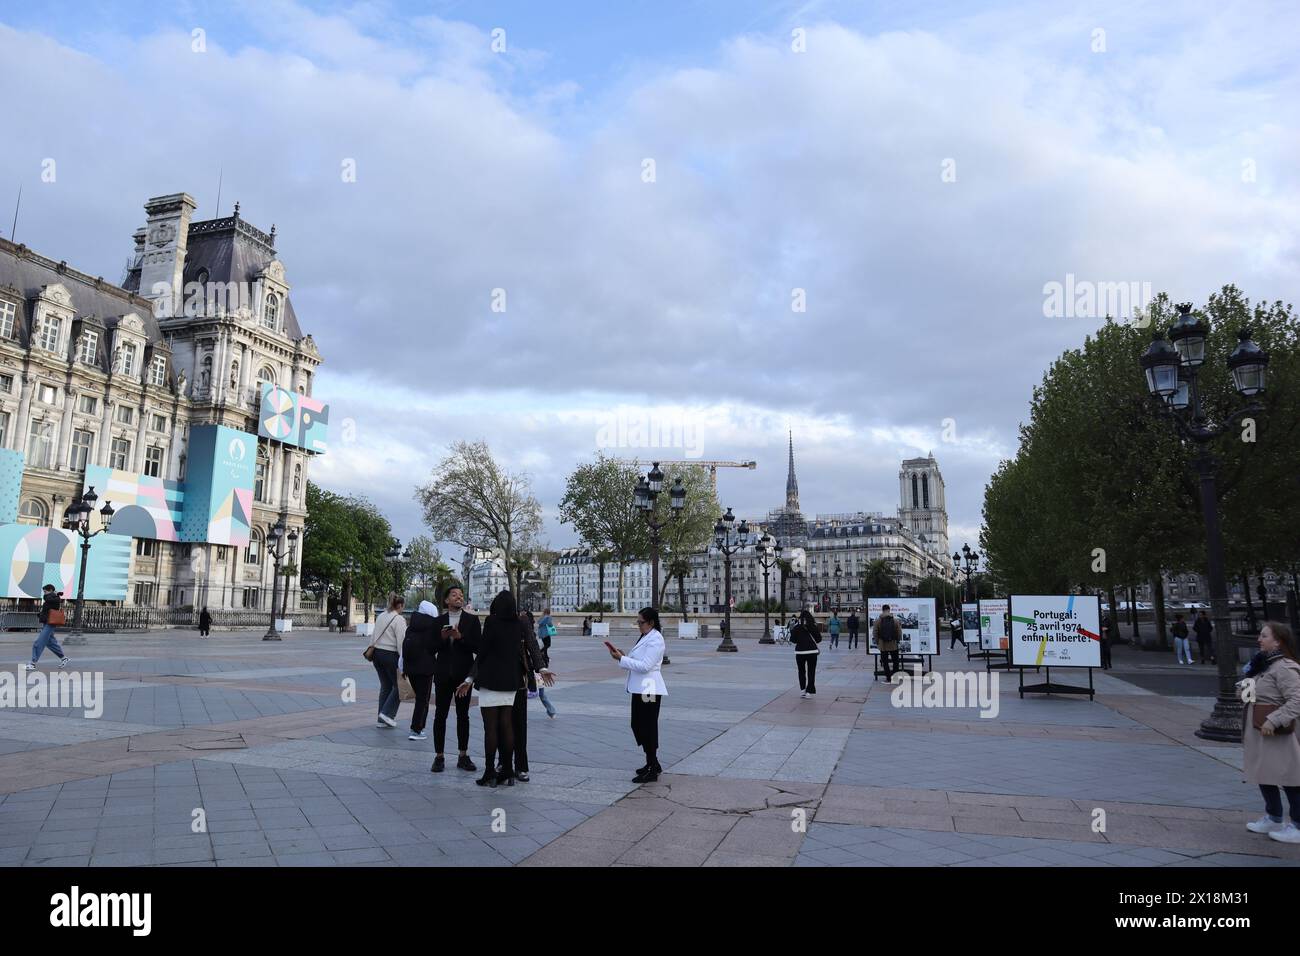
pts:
pixel 921 503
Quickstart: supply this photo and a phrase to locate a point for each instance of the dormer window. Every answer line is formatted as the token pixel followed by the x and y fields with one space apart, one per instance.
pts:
pixel 88 347
pixel 8 317
pixel 271 313
pixel 125 359
pixel 47 333
pixel 158 371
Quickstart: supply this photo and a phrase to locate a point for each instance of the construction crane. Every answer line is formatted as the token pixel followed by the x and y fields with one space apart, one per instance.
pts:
pixel 713 466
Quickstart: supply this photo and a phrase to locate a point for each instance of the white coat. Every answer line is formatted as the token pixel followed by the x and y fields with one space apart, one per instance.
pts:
pixel 642 664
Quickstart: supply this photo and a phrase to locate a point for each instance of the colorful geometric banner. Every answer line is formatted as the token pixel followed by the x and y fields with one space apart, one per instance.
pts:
pixel 294 419
pixel 1055 630
pixel 143 507
pixel 219 486
pixel 40 556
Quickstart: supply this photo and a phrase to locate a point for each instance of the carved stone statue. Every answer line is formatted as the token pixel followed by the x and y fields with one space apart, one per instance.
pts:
pixel 234 374
pixel 182 384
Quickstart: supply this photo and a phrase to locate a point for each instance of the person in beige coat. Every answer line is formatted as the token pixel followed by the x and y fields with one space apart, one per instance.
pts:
pixel 1273 752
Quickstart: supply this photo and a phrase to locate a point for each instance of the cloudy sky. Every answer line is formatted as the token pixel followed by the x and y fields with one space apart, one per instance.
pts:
pixel 720 218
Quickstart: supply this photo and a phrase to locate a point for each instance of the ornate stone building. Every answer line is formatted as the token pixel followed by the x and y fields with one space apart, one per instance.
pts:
pixel 93 373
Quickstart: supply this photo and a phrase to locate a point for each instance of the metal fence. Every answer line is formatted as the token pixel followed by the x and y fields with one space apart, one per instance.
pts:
pixel 101 618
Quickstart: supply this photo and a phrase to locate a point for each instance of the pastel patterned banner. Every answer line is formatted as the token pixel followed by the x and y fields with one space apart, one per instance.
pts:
pixel 294 419
pixel 143 507
pixel 11 484
pixel 219 486
pixel 40 556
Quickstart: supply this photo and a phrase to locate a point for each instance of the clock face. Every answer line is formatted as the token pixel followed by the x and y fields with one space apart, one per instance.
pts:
pixel 162 234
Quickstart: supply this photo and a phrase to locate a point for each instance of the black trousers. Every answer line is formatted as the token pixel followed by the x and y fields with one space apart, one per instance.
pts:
pixel 853 638
pixel 891 661
pixel 1105 653
pixel 645 725
pixel 444 692
pixel 1273 801
pixel 807 664
pixel 422 684
pixel 520 720
pixel 1206 646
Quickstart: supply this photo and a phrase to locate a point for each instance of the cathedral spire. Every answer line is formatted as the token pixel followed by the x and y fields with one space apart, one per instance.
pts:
pixel 791 485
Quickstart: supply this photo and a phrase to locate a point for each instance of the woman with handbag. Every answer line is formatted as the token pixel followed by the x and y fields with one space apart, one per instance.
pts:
pixel 1272 696
pixel 51 616
pixel 384 652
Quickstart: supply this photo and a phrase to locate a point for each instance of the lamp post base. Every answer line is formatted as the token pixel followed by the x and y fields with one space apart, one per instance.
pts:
pixel 271 635
pixel 1224 724
pixel 726 645
pixel 767 636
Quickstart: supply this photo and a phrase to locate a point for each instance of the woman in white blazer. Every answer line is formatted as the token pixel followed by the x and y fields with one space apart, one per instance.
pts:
pixel 646 685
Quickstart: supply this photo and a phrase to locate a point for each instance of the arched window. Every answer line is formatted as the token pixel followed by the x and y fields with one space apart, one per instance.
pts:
pixel 33 511
pixel 265 374
pixel 925 491
pixel 271 312
pixel 915 502
pixel 253 553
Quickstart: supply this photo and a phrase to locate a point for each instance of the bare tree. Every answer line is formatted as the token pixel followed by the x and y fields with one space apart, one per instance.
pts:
pixel 472 501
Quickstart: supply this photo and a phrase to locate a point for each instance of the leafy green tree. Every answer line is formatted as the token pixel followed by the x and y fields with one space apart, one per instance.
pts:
pixel 878 580
pixel 599 502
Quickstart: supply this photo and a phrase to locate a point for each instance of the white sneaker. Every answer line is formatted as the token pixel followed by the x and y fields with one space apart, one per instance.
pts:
pixel 64 661
pixel 417 736
pixel 804 695
pixel 387 721
pixel 30 666
pixel 1265 825
pixel 1287 834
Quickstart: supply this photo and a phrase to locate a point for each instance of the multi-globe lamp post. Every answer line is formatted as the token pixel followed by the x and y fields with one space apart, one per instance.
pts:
pixel 396 557
pixel 1172 373
pixel 77 520
pixel 769 555
pixel 274 536
pixel 728 540
pixel 967 562
pixel 647 493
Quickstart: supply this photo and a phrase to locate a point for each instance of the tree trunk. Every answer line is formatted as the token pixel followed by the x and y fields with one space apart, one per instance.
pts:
pixel 1158 600
pixel 1250 605
pixel 1114 611
pixel 622 566
pixel 600 588
pixel 681 595
pixel 1133 615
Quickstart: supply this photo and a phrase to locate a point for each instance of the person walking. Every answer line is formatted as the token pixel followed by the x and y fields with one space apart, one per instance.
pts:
pixel 954 632
pixel 886 632
pixel 645 684
pixel 546 630
pixel 1181 646
pixel 586 626
pixel 386 647
pixel 457 633
pixel 853 623
pixel 1106 628
pixel 418 660
pixel 50 615
pixel 496 676
pixel 1204 637
pixel 805 638
pixel 205 623
pixel 1272 746
pixel 530 664
pixel 833 628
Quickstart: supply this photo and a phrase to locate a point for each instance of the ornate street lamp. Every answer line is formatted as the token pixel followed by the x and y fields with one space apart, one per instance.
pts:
pixel 394 558
pixel 274 535
pixel 971 560
pixel 646 493
pixel 77 520
pixel 728 540
pixel 1171 372
pixel 769 555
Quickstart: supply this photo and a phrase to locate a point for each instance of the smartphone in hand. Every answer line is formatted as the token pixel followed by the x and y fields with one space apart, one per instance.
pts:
pixel 609 645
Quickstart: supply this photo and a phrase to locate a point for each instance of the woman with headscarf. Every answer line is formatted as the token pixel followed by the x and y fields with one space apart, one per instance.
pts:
pixel 418 658
pixel 498 677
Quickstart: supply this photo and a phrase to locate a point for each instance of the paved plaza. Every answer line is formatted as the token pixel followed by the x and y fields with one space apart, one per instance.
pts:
pixel 259 738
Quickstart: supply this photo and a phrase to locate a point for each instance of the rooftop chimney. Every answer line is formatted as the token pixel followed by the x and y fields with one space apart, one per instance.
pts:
pixel 166 238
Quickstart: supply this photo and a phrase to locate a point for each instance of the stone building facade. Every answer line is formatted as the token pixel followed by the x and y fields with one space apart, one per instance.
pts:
pixel 95 373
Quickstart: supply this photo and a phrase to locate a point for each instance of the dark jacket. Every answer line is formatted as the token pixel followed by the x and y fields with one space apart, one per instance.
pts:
pixel 1204 628
pixel 534 657
pixel 1179 629
pixel 205 619
pixel 805 638
pixel 455 659
pixel 501 650
pixel 419 650
pixel 853 622
pixel 52 602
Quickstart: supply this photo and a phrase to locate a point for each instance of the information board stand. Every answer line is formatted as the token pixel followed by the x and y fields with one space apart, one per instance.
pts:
pixel 924 661
pixel 1055 631
pixel 917 617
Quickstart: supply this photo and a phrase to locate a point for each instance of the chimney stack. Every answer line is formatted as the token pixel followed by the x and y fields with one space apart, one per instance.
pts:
pixel 166 239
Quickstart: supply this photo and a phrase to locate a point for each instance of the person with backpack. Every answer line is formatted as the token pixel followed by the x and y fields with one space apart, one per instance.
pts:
pixel 51 615
pixel 805 638
pixel 886 632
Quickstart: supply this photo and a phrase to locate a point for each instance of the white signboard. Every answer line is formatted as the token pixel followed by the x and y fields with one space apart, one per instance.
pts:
pixel 970 623
pixel 916 616
pixel 1055 630
pixel 993 624
pixel 600 628
pixel 689 630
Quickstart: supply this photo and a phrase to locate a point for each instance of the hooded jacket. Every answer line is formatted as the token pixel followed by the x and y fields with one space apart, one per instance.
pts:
pixel 419 650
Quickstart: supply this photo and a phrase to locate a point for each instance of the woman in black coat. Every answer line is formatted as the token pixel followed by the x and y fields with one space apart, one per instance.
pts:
pixel 805 638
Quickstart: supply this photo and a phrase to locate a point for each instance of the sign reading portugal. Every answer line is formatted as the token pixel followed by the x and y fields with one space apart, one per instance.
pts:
pixel 1055 630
